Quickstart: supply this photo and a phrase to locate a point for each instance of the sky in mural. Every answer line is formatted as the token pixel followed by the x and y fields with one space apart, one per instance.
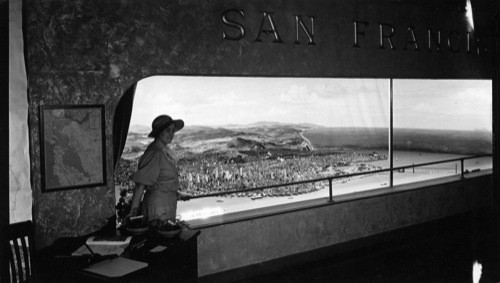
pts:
pixel 219 101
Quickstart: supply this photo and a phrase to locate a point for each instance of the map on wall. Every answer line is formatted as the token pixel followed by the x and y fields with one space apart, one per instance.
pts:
pixel 72 149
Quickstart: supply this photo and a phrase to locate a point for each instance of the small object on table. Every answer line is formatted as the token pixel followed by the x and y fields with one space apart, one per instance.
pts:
pixel 158 249
pixel 169 228
pixel 137 231
pixel 137 225
pixel 103 245
pixel 169 234
pixel 138 217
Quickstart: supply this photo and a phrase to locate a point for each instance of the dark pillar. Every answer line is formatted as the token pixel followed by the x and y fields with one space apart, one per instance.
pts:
pixel 496 120
pixel 4 144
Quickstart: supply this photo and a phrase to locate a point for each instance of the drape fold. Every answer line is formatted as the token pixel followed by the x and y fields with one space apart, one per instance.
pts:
pixel 121 123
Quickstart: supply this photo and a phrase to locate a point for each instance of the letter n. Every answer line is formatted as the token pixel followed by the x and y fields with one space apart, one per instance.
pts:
pixel 309 34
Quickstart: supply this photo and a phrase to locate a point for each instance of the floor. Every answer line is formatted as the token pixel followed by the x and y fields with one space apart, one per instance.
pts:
pixel 439 255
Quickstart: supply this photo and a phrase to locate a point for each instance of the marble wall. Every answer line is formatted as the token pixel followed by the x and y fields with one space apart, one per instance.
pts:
pixel 91 52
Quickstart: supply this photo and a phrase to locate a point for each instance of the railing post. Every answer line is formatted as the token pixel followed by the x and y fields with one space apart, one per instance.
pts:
pixel 391 134
pixel 462 176
pixel 331 189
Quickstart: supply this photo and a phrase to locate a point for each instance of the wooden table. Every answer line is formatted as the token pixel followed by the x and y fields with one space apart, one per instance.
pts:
pixel 178 262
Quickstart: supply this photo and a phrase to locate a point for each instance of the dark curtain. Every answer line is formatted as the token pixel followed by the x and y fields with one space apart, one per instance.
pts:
pixel 121 122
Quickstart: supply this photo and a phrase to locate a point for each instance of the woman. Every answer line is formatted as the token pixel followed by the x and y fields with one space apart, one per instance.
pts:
pixel 157 177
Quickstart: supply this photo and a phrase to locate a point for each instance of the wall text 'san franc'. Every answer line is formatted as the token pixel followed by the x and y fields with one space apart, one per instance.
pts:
pixel 389 37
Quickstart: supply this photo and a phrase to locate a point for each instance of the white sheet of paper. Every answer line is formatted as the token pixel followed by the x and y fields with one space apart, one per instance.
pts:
pixel 116 267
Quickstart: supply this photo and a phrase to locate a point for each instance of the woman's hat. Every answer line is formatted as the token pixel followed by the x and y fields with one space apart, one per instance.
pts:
pixel 161 122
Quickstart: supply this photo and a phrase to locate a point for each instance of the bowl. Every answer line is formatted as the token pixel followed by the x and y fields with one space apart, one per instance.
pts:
pixel 169 234
pixel 137 231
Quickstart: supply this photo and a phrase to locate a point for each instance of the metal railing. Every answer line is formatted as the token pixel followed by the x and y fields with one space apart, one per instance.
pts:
pixel 331 178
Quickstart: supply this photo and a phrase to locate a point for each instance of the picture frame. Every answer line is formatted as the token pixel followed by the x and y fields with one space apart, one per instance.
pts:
pixel 72 147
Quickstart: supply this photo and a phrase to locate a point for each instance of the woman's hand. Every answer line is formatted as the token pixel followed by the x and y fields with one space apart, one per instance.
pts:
pixel 183 196
pixel 136 201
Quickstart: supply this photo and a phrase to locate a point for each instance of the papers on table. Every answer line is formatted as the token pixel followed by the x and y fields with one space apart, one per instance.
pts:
pixel 104 245
pixel 116 267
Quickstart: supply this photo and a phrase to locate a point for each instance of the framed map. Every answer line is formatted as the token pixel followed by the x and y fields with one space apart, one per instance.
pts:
pixel 72 147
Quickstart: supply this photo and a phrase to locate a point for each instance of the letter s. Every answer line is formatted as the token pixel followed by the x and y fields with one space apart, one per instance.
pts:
pixel 233 24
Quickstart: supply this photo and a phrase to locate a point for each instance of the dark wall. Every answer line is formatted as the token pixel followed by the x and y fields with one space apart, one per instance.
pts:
pixel 495 22
pixel 91 52
pixel 4 144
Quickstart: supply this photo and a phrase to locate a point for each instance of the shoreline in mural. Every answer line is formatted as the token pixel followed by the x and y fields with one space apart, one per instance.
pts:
pixel 238 157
